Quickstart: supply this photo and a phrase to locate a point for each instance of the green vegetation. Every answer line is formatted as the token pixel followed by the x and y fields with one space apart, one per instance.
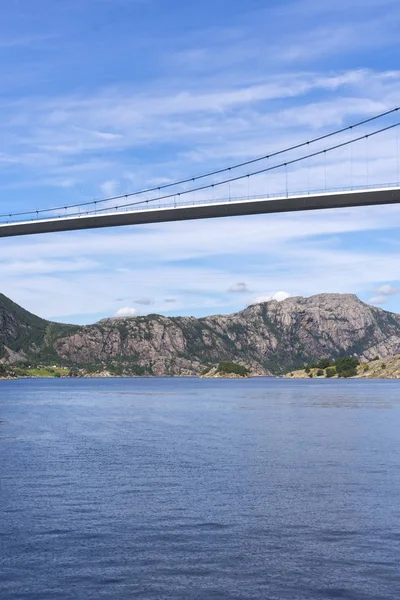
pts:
pixel 74 373
pixel 26 370
pixel 29 335
pixel 349 366
pixel 346 366
pixel 121 367
pixel 40 371
pixel 324 363
pixel 56 331
pixel 206 370
pixel 4 371
pixel 226 368
pixel 116 369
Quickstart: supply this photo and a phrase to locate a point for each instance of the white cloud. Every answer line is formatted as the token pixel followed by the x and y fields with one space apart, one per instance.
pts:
pixel 388 290
pixel 383 294
pixel 378 300
pixel 46 266
pixel 127 311
pixel 278 296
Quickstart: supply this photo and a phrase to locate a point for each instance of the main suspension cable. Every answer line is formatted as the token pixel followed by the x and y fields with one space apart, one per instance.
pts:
pixel 240 177
pixel 208 174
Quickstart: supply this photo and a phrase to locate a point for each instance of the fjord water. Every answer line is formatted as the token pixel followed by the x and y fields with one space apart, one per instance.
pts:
pixel 199 489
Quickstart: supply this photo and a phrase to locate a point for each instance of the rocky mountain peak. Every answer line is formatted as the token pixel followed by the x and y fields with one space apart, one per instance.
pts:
pixel 270 337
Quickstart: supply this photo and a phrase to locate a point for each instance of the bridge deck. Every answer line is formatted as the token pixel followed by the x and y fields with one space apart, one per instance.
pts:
pixel 342 199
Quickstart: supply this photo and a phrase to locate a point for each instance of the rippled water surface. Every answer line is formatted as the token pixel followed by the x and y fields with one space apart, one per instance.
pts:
pixel 199 489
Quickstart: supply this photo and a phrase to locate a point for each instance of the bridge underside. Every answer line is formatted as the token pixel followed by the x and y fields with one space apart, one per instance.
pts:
pixel 206 211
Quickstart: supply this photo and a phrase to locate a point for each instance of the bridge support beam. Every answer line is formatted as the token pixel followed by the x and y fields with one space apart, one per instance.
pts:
pixel 370 197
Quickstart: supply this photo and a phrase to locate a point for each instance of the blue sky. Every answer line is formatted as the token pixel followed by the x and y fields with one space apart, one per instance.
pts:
pixel 101 97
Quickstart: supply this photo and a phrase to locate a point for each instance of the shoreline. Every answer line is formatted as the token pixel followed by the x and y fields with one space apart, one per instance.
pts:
pixel 283 377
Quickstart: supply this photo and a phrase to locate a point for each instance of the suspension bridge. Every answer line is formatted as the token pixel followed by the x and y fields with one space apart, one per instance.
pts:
pixel 360 155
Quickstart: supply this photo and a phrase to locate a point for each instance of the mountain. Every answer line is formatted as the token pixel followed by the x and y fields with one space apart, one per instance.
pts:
pixel 21 332
pixel 271 337
pixel 24 335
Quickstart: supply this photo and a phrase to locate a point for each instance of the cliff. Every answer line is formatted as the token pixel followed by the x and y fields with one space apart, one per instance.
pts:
pixel 272 337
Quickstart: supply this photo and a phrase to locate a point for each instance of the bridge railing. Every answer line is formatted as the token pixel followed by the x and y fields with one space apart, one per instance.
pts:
pixel 220 200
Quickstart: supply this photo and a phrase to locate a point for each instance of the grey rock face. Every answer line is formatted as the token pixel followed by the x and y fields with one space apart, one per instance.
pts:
pixel 268 338
pixel 272 337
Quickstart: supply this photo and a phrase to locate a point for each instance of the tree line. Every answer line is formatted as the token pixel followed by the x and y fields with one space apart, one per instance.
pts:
pixel 345 366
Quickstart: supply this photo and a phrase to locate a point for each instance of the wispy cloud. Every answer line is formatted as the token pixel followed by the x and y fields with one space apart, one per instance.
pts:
pixel 238 288
pixel 24 41
pixel 383 294
pixel 144 301
pixel 68 134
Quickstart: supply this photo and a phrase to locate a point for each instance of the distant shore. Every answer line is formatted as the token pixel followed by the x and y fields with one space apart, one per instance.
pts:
pixel 379 368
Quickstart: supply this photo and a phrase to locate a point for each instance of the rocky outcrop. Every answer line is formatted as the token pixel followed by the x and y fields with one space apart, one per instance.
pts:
pixel 387 368
pixel 214 373
pixel 272 337
pixel 379 368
